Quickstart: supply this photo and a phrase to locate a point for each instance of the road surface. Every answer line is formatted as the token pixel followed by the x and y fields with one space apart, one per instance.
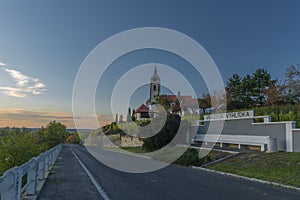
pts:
pixel 172 182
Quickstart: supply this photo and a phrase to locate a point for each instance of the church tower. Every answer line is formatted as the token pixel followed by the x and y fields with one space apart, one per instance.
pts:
pixel 154 86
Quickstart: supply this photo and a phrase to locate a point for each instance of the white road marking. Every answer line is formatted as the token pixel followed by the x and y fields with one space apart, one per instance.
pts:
pixel 97 186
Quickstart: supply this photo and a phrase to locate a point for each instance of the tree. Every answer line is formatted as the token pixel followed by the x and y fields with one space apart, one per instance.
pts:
pixel 55 133
pixel 291 86
pixel 165 135
pixel 261 80
pixel 73 138
pixel 233 89
pixel 164 101
pixel 246 91
pixel 204 102
pixel 17 146
pixel 272 93
pixel 218 100
pixel 176 108
pixel 129 119
pixel 132 115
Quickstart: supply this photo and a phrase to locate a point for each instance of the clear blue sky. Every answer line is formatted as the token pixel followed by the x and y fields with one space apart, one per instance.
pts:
pixel 47 41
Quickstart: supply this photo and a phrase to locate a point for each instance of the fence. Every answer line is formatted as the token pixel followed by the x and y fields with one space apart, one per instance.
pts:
pixel 11 182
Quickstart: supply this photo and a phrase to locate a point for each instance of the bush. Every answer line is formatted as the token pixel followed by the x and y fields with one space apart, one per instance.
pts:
pixel 73 138
pixel 281 113
pixel 165 135
pixel 18 145
pixel 190 157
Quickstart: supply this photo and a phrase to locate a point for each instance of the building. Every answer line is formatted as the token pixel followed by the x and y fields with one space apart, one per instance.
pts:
pixel 154 86
pixel 142 112
pixel 173 103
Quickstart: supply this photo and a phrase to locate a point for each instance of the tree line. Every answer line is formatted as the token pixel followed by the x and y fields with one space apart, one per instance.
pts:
pixel 18 145
pixel 259 89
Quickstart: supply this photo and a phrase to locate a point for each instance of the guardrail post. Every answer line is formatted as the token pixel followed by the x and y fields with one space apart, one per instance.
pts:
pixel 18 183
pixel 32 178
pixel 14 192
pixel 11 192
pixel 51 159
pixel 47 161
pixel 41 167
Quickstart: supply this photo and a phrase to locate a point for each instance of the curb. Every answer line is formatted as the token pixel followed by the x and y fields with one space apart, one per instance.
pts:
pixel 119 150
pixel 249 179
pixel 220 160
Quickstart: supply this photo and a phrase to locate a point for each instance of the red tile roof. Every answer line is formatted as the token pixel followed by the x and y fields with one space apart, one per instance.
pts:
pixel 142 109
pixel 172 97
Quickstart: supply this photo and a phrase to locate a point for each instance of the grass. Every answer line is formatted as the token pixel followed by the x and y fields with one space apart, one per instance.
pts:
pixel 192 157
pixel 280 167
pixel 180 155
pixel 134 149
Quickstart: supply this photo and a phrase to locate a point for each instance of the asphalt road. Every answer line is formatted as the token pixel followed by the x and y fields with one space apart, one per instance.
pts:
pixel 171 182
pixel 67 180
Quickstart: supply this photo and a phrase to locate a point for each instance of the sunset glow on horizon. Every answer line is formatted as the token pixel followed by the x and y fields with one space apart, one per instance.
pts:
pixel 43 44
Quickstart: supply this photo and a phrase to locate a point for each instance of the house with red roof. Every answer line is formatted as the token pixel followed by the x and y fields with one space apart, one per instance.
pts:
pixel 142 112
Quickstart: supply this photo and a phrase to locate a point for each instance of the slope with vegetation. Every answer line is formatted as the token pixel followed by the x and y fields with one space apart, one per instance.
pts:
pixel 280 167
pixel 18 145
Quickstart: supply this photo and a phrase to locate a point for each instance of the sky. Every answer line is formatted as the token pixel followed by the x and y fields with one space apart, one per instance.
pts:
pixel 44 43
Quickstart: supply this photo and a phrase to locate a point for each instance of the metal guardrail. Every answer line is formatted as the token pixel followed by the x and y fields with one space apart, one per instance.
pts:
pixel 35 169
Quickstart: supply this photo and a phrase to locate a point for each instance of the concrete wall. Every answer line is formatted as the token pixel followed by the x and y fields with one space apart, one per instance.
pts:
pixel 279 130
pixel 113 140
pixel 296 140
pixel 103 141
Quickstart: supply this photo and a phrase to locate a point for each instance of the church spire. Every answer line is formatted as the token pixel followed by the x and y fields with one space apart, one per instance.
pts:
pixel 154 86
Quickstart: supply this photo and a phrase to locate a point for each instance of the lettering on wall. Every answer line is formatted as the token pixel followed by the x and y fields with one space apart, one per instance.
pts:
pixel 230 116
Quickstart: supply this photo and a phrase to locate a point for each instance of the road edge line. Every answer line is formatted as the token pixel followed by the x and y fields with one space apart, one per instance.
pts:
pixel 91 177
pixel 247 178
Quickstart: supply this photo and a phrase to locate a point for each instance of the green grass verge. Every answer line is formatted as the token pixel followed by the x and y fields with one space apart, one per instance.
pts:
pixel 134 149
pixel 192 157
pixel 187 156
pixel 280 167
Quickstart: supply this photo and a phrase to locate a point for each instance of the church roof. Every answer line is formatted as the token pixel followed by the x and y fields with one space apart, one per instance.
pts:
pixel 173 98
pixel 187 98
pixel 142 109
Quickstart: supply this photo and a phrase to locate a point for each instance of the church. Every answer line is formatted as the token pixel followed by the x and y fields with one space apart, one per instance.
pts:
pixel 176 104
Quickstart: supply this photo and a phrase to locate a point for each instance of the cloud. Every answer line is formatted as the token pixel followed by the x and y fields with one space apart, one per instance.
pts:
pixel 20 79
pixel 13 92
pixel 33 118
pixel 102 119
pixel 37 118
pixel 24 84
